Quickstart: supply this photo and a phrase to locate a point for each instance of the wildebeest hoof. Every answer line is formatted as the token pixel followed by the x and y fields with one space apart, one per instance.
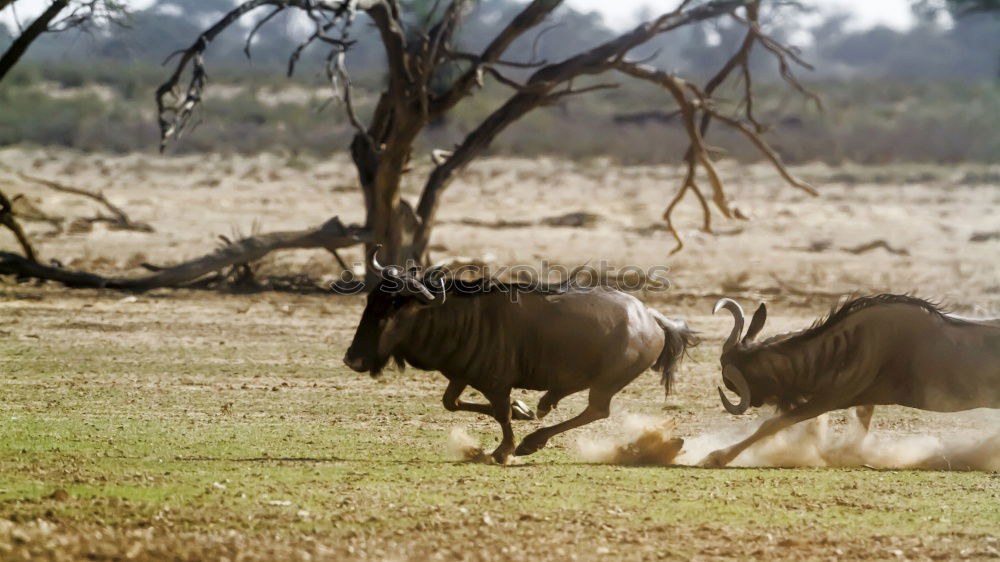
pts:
pixel 502 457
pixel 544 409
pixel 717 459
pixel 520 411
pixel 529 446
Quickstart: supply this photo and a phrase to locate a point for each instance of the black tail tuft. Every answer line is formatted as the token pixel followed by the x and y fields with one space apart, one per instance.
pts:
pixel 677 339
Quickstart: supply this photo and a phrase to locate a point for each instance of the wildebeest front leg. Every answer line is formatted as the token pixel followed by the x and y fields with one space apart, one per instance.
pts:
pixel 502 413
pixel 548 401
pixel 809 410
pixel 453 404
pixel 598 408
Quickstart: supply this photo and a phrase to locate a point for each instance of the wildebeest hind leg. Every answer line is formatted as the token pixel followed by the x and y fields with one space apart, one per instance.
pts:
pixel 598 408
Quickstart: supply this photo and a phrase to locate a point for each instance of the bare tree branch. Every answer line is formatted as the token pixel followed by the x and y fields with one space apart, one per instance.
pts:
pixel 20 45
pixel 571 91
pixel 537 91
pixel 476 59
pixel 80 14
pixel 529 17
pixel 256 28
pixel 766 150
pixel 698 155
pixel 783 54
pixel 7 219
pixel 496 74
pixel 173 117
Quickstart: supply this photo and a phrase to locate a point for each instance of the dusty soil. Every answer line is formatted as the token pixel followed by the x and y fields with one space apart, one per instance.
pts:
pixel 193 358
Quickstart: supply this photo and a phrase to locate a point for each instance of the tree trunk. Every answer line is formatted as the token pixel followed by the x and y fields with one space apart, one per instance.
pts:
pixel 381 163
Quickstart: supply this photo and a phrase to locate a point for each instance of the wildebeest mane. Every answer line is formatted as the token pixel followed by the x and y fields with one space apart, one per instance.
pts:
pixel 488 285
pixel 852 304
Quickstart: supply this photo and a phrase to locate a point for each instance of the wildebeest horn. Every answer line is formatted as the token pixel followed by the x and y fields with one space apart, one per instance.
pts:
pixel 372 261
pixel 733 307
pixel 422 290
pixel 435 275
pixel 732 374
pixel 417 289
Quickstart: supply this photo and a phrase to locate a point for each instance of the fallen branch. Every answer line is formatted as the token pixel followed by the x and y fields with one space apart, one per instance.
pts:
pixel 791 289
pixel 576 219
pixel 875 244
pixel 120 220
pixel 985 236
pixel 330 236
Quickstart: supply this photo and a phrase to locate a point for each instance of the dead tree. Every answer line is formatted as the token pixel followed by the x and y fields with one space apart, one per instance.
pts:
pixel 418 59
pixel 421 87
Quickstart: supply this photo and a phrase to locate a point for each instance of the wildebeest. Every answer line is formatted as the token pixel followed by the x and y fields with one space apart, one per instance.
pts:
pixel 885 349
pixel 496 336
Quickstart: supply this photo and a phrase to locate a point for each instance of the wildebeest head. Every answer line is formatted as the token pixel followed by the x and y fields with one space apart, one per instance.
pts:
pixel 735 353
pixel 397 291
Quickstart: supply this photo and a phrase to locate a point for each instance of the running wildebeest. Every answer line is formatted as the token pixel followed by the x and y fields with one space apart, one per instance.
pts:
pixel 496 337
pixel 885 349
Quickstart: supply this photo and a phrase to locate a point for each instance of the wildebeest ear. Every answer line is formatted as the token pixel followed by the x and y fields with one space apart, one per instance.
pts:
pixel 757 324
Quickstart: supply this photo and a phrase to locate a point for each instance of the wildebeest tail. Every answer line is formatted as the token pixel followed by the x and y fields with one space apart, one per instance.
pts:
pixel 677 339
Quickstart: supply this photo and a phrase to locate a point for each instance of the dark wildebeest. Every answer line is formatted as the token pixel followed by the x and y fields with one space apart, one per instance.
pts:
pixel 885 349
pixel 497 336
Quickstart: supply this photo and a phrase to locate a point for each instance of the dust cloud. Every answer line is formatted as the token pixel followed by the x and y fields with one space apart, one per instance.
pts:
pixel 643 440
pixel 463 446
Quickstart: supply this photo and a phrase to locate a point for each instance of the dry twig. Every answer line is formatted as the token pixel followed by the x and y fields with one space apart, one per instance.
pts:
pixel 119 221
pixel 874 245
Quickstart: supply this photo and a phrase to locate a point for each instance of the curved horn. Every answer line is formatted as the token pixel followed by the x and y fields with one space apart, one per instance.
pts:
pixel 417 289
pixel 732 374
pixel 435 276
pixel 373 263
pixel 422 291
pixel 733 307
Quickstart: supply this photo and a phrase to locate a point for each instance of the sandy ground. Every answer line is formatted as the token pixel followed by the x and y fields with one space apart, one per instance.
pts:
pixel 793 239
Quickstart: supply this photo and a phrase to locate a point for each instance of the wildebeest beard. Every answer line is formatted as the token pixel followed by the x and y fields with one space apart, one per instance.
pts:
pixel 364 353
